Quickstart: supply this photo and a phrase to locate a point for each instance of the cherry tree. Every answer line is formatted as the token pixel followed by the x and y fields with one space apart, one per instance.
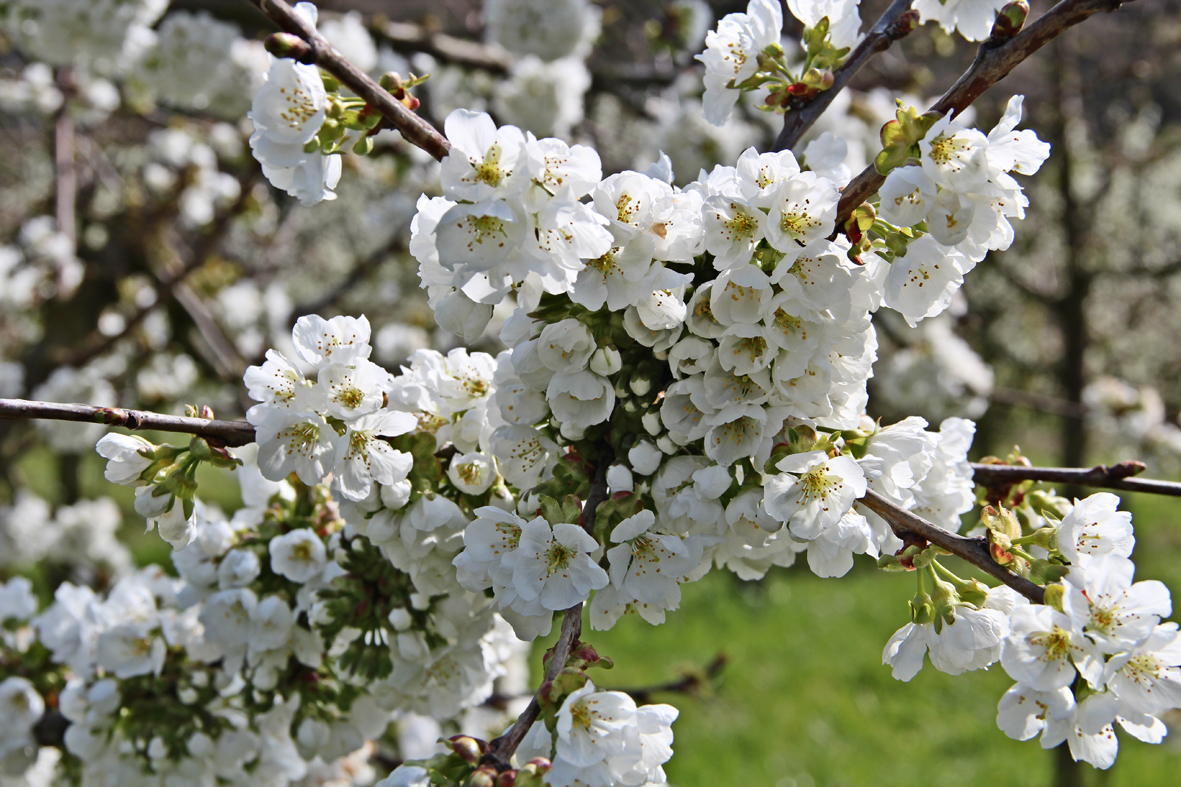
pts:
pixel 683 389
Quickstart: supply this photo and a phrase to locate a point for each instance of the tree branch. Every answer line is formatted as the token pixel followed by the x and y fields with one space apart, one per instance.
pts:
pixel 459 51
pixel 359 272
pixel 1040 402
pixel 65 174
pixel 688 684
pixel 993 62
pixel 230 433
pixel 165 285
pixel 416 130
pixel 1117 476
pixel 501 749
pixel 972 550
pixel 889 28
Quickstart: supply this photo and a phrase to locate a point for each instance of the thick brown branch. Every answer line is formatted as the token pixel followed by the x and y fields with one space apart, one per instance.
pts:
pixel 229 433
pixel 993 62
pixel 416 130
pixel 888 29
pixel 1118 476
pixel 971 550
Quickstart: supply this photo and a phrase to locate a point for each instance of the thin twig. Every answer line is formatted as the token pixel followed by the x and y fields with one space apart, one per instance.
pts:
pixel 450 49
pixel 65 173
pixel 1040 402
pixel 416 130
pixel 993 62
pixel 501 749
pixel 359 272
pixel 688 684
pixel 888 29
pixel 230 433
pixel 972 550
pixel 164 286
pixel 1117 476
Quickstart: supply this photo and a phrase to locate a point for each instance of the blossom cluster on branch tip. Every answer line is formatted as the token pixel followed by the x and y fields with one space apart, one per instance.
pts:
pixel 1095 654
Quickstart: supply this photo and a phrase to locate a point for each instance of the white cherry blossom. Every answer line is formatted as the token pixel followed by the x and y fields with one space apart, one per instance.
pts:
pixel 554 566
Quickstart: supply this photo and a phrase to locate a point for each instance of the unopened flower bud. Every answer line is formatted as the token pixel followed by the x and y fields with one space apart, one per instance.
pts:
pixel 391 81
pixel 651 421
pixel 572 431
pixel 420 601
pixel 400 618
pixel 606 361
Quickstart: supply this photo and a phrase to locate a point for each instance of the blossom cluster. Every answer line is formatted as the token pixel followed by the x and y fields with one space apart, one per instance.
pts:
pixel 260 659
pixel 746 52
pixel 1095 654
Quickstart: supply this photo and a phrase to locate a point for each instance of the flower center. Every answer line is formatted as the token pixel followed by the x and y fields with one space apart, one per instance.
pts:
pixel 743 225
pixel 1056 642
pixel 558 557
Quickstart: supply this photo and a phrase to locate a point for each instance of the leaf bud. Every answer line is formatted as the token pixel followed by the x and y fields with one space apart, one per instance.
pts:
pixel 1054 595
pixel 200 449
pixel 484 776
pixel 606 361
pixel 1009 21
pixel 470 749
pixel 287 45
pixel 364 146
pixel 904 25
pixel 532 774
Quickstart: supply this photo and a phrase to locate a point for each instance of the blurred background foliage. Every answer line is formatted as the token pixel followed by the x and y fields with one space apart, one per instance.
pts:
pixel 144 262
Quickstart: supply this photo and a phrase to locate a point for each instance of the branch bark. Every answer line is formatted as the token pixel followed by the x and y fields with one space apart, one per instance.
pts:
pixel 450 49
pixel 230 433
pixel 993 62
pixel 165 285
pixel 888 29
pixel 971 550
pixel 416 130
pixel 1117 476
pixel 65 174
